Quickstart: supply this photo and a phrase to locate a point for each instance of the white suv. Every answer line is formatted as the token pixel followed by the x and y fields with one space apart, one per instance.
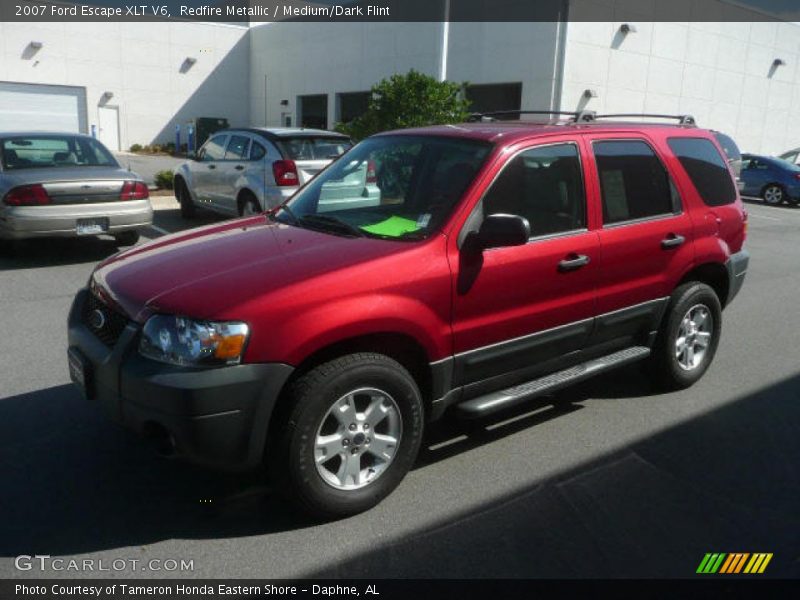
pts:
pixel 245 171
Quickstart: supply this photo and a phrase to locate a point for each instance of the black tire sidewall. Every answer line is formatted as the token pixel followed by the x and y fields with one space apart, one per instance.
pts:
pixel 185 200
pixel 773 185
pixel 317 496
pixel 685 298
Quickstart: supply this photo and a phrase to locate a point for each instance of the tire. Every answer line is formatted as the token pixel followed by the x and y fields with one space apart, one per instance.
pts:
pixel 248 205
pixel 672 363
pixel 323 488
pixel 773 194
pixel 127 238
pixel 792 201
pixel 188 209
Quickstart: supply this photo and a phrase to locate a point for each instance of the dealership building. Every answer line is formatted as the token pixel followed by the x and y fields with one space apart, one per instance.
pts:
pixel 132 83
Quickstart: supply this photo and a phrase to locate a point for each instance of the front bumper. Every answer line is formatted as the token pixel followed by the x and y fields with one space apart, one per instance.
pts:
pixel 60 220
pixel 737 268
pixel 215 417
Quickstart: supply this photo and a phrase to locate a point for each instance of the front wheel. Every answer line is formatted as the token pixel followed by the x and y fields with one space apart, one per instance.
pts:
pixel 353 432
pixel 184 197
pixel 689 336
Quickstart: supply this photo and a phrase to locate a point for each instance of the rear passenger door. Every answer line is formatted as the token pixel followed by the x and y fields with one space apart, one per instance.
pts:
pixel 525 310
pixel 645 239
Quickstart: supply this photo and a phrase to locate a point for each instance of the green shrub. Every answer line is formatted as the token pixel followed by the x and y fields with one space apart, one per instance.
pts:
pixel 410 100
pixel 164 180
pixel 169 147
pixel 136 148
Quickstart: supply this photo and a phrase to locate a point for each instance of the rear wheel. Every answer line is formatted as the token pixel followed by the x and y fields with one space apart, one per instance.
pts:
pixel 773 194
pixel 689 336
pixel 188 209
pixel 127 238
pixel 248 205
pixel 352 434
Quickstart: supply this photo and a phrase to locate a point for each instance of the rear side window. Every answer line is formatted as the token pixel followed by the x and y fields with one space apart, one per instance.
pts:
pixel 633 182
pixel 545 186
pixel 237 148
pixel 257 151
pixel 706 168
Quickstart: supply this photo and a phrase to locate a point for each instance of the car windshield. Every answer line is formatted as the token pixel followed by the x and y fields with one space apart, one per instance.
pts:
pixel 313 148
pixel 41 152
pixel 390 187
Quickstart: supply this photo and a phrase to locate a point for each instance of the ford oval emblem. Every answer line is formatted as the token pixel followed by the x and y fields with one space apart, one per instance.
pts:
pixel 97 319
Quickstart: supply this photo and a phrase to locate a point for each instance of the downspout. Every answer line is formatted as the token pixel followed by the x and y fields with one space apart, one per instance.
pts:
pixel 445 42
pixel 559 60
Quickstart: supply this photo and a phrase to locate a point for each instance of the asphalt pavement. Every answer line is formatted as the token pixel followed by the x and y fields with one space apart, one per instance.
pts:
pixel 607 479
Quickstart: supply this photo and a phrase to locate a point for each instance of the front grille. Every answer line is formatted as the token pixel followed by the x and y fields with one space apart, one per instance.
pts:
pixel 109 327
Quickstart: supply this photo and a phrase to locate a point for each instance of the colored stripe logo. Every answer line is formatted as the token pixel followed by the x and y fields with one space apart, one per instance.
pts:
pixel 734 563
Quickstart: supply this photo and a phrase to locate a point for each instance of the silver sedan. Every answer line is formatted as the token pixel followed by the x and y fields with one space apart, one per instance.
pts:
pixel 64 184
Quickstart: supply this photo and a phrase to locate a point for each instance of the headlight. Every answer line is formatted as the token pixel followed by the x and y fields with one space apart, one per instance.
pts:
pixel 181 341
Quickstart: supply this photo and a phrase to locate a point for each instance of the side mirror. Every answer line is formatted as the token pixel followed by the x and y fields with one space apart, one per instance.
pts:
pixel 501 230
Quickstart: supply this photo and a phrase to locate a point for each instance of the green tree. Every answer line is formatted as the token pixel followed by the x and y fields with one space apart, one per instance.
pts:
pixel 410 100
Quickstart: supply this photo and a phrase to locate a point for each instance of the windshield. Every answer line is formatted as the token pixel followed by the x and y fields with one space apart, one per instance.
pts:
pixel 40 152
pixel 313 148
pixel 391 187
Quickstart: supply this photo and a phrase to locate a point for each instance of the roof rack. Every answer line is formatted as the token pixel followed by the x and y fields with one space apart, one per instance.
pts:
pixel 489 117
pixel 682 119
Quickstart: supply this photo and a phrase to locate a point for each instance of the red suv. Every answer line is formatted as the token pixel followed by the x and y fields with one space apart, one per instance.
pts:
pixel 500 261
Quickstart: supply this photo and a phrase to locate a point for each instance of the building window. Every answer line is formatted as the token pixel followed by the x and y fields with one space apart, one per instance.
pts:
pixel 494 97
pixel 313 111
pixel 351 105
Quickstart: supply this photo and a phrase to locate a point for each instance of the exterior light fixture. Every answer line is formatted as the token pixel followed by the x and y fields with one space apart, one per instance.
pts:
pixel 589 93
pixel 778 62
pixel 108 95
pixel 284 103
pixel 627 28
pixel 36 45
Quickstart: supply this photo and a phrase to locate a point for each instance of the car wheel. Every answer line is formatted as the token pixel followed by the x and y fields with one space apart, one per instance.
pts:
pixel 689 336
pixel 353 432
pixel 127 238
pixel 773 194
pixel 249 206
pixel 792 201
pixel 188 209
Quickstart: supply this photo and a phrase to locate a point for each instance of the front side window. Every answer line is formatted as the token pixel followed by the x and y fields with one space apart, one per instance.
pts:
pixel 706 168
pixel 391 187
pixel 633 182
pixel 545 186
pixel 45 151
pixel 214 149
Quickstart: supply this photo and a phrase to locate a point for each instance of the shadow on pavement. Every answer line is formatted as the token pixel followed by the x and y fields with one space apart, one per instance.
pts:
pixel 52 252
pixel 727 481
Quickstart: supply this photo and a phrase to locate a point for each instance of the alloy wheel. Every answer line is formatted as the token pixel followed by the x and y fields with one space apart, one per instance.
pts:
pixel 773 195
pixel 358 439
pixel 694 337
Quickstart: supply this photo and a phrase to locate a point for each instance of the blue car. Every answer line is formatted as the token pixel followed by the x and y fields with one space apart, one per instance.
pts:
pixel 773 179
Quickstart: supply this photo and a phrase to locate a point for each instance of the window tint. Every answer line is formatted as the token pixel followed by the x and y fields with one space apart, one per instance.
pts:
pixel 633 182
pixel 237 148
pixel 706 168
pixel 257 151
pixel 545 186
pixel 214 148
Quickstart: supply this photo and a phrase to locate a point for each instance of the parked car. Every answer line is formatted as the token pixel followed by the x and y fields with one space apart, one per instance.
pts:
pixel 64 184
pixel 245 171
pixel 504 261
pixel 772 179
pixel 792 156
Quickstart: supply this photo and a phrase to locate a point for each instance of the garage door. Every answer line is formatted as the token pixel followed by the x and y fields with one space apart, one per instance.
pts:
pixel 25 106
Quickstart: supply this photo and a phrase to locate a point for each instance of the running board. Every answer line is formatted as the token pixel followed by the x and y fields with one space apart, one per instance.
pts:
pixel 495 401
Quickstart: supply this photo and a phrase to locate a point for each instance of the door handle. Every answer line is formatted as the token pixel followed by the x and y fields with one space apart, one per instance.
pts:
pixel 673 240
pixel 239 167
pixel 574 261
pixel 212 166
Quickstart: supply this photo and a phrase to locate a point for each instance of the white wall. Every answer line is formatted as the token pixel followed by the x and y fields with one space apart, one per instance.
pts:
pixel 140 63
pixel 719 72
pixel 329 58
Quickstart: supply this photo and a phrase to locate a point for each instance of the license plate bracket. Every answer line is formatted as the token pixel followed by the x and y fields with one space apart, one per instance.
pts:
pixel 80 372
pixel 91 226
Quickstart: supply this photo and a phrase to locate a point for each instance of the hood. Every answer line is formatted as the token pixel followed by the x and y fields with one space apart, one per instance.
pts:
pixel 206 273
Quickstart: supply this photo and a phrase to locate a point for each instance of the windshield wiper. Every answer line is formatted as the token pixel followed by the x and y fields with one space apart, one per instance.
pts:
pixel 326 221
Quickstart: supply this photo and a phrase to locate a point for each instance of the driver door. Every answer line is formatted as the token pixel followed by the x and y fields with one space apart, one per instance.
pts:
pixel 522 311
pixel 205 168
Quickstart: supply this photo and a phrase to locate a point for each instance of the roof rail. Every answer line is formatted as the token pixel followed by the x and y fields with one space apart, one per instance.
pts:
pixel 682 119
pixel 488 117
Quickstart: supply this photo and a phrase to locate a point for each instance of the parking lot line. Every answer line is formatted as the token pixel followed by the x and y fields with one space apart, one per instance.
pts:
pixel 159 229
